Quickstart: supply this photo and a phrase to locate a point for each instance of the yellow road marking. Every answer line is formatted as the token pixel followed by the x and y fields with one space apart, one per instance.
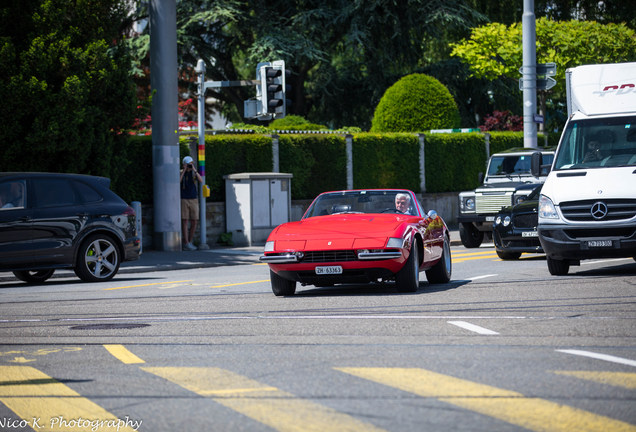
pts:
pixel 234 391
pixel 32 394
pixel 156 283
pixel 488 252
pixel 122 354
pixel 273 407
pixel 512 407
pixel 474 258
pixel 240 283
pixel 617 379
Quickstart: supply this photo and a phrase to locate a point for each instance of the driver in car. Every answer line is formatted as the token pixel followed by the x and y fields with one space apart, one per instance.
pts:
pixel 402 203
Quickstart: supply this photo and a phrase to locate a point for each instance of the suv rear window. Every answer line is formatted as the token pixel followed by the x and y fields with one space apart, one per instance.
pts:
pixel 53 192
pixel 87 193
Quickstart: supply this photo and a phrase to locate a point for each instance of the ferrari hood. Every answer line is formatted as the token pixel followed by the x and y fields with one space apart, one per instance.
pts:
pixel 340 226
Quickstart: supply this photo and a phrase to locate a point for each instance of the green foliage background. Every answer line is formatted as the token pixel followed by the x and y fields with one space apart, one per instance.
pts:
pixel 65 88
pixel 416 103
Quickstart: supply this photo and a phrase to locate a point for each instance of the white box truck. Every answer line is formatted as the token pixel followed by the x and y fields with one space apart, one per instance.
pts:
pixel 587 208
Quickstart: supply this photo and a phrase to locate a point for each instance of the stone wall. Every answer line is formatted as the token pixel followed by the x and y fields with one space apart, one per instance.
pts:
pixel 446 205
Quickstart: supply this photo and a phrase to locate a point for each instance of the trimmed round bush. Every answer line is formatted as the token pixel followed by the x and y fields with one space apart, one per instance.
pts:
pixel 416 103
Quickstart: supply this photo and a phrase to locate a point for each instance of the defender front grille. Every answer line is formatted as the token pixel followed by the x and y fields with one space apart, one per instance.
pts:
pixel 528 220
pixel 581 211
pixel 329 256
pixel 492 203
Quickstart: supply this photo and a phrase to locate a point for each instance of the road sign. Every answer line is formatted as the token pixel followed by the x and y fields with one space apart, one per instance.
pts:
pixel 546 69
pixel 537 118
pixel 545 83
pixel 543 69
pixel 540 83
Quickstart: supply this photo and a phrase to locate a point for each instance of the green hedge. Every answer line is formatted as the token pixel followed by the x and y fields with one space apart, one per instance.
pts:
pixel 319 162
pixel 388 160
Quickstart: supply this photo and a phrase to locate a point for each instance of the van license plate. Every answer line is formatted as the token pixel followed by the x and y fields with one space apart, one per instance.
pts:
pixel 327 270
pixel 599 243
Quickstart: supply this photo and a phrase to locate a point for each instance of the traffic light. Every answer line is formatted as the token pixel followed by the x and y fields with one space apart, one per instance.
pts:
pixel 273 90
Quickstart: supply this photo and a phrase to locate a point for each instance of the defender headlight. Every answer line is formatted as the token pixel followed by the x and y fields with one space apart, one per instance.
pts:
pixel 546 208
pixel 269 246
pixel 470 203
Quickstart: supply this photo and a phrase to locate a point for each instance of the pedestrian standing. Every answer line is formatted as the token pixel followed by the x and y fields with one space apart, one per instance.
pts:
pixel 189 202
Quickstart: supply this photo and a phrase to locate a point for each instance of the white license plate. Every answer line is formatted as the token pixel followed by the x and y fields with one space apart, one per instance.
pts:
pixel 599 243
pixel 530 234
pixel 490 218
pixel 327 270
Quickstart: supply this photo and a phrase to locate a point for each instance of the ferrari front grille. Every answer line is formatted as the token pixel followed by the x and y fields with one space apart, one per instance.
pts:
pixel 329 256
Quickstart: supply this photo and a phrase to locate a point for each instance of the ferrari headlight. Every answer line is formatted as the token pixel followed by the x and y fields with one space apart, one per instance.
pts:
pixel 269 246
pixel 395 243
pixel 506 221
pixel 546 208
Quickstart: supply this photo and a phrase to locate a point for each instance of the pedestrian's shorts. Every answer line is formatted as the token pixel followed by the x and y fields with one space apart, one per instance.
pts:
pixel 190 209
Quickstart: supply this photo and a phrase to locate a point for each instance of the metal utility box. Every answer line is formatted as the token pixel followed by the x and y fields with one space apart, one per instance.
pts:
pixel 255 204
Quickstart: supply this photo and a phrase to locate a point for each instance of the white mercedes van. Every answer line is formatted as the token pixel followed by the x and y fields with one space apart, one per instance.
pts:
pixel 587 208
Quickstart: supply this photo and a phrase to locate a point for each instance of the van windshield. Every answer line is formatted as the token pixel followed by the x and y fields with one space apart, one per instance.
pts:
pixel 598 143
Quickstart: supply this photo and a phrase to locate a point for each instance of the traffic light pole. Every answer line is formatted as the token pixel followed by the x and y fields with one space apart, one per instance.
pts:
pixel 200 70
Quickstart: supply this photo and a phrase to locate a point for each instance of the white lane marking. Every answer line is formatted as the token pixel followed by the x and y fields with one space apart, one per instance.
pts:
pixel 473 327
pixel 606 357
pixel 474 278
pixel 605 261
pixel 481 277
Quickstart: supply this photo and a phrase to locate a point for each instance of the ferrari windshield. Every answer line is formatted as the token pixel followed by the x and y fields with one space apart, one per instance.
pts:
pixel 364 201
pixel 597 143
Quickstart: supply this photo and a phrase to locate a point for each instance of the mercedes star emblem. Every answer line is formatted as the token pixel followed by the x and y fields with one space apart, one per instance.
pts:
pixel 599 210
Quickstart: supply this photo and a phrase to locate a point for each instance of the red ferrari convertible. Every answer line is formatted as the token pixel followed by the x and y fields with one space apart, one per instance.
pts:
pixel 360 236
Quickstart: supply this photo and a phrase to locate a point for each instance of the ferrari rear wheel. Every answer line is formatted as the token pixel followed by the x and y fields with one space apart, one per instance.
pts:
pixel 282 286
pixel 408 278
pixel 442 271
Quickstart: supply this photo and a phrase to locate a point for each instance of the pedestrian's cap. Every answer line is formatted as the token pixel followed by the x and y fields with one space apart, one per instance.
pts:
pixel 187 160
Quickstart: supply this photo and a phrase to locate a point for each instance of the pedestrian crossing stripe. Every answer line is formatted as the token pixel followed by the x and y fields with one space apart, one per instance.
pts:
pixel 275 408
pixel 35 396
pixel 512 407
pixel 616 379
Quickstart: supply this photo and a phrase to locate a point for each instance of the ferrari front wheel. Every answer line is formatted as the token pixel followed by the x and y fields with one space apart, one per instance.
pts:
pixel 282 286
pixel 408 278
pixel 441 272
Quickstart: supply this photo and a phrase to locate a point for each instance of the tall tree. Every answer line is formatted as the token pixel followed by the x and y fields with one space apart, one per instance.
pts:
pixel 343 53
pixel 65 86
pixel 494 51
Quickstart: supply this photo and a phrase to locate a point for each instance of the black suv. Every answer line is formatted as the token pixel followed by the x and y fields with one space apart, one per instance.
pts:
pixel 53 221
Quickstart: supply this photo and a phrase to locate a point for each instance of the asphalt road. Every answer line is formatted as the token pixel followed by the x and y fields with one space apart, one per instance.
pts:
pixel 503 347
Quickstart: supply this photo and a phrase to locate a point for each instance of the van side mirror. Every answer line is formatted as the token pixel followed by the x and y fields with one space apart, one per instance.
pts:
pixel 535 163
